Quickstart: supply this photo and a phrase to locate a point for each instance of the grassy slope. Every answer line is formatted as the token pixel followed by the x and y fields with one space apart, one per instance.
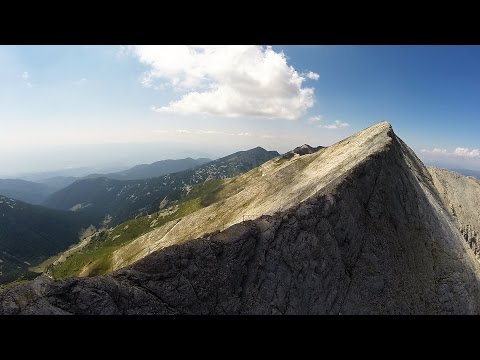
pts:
pixel 126 199
pixel 98 254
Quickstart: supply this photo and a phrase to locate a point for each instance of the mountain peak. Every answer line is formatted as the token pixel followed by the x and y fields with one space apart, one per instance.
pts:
pixel 382 126
pixel 304 150
pixel 359 219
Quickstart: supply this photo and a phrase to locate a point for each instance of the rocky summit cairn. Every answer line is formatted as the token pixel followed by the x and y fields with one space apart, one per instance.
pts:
pixel 355 228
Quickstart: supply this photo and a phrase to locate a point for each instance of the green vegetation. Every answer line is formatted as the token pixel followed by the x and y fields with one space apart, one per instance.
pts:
pixel 29 234
pixel 24 276
pixel 127 199
pixel 97 255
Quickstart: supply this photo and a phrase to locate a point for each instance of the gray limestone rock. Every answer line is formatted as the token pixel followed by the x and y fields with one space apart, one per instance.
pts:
pixel 376 239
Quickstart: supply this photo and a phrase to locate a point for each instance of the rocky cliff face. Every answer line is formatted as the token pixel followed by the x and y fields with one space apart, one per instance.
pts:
pixel 461 195
pixel 365 233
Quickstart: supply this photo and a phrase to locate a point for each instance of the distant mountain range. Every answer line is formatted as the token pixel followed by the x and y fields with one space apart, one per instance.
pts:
pixel 146 171
pixel 35 192
pixel 359 227
pixel 117 200
pixel 29 234
pixel 27 191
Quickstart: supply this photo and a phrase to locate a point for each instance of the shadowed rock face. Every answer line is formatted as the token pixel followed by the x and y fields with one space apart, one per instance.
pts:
pixel 376 239
pixel 461 196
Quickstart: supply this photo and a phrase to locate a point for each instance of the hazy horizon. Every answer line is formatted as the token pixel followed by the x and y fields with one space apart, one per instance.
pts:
pixel 118 106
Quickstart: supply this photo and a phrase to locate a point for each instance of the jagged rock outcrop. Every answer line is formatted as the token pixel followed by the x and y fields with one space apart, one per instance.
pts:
pixel 364 232
pixel 461 195
pixel 305 149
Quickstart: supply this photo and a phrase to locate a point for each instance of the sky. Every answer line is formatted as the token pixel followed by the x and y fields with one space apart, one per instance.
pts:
pixel 117 106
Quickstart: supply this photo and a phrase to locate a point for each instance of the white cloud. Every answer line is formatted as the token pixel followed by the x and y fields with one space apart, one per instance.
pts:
pixel 26 77
pixel 183 131
pixel 314 119
pixel 160 131
pixel 122 52
pixel 312 76
pixel 458 152
pixel 466 152
pixel 82 81
pixel 228 80
pixel 336 125
pixel 212 132
pixel 439 151
pixel 267 136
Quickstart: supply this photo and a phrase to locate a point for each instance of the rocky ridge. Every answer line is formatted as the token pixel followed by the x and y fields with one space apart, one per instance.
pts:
pixel 359 229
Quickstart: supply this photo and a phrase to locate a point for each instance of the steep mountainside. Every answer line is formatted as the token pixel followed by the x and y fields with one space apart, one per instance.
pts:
pixel 357 227
pixel 117 200
pixel 159 168
pixel 461 196
pixel 29 234
pixel 96 255
pixel 27 191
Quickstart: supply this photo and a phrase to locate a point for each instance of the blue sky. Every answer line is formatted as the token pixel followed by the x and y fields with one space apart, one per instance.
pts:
pixel 72 106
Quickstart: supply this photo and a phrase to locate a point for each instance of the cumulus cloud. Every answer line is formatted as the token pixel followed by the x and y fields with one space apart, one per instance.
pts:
pixel 466 152
pixel 458 152
pixel 336 125
pixel 312 76
pixel 228 80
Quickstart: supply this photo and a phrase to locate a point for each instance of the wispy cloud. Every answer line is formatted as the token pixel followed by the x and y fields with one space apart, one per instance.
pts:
pixel 82 81
pixel 314 119
pixel 435 151
pixel 458 152
pixel 183 131
pixel 228 80
pixel 161 131
pixel 217 132
pixel 336 125
pixel 26 79
pixel 212 132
